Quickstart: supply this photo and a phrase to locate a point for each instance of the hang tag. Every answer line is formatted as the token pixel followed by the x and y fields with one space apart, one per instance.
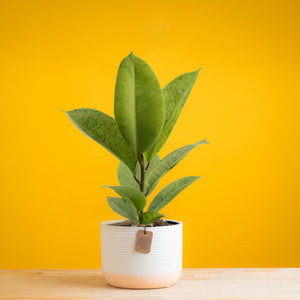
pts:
pixel 143 241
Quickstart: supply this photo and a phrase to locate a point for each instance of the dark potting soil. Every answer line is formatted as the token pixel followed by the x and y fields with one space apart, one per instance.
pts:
pixel 160 222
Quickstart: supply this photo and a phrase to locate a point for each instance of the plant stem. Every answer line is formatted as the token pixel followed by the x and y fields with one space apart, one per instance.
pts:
pixel 136 179
pixel 147 166
pixel 142 181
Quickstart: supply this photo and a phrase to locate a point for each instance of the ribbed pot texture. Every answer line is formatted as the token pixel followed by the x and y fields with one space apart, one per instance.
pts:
pixel 123 267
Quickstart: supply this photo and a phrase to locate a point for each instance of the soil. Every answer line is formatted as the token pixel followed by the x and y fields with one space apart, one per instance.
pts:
pixel 160 222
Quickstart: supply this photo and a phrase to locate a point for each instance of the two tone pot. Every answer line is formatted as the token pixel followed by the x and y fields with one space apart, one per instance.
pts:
pixel 124 267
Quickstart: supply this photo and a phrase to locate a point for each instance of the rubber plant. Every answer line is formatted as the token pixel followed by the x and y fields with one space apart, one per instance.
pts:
pixel 145 115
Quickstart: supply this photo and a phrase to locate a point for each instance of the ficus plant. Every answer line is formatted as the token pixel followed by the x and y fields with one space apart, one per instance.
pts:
pixel 145 115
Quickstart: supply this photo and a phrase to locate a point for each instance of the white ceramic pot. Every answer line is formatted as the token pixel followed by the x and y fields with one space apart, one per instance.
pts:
pixel 123 267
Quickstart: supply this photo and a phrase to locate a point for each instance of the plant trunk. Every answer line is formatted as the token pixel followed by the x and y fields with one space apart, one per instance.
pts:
pixel 142 180
pixel 143 171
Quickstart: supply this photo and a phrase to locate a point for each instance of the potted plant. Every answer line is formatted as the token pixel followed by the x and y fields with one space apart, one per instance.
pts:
pixel 144 250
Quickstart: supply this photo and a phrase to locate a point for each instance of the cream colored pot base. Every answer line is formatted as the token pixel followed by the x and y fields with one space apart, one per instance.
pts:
pixel 141 281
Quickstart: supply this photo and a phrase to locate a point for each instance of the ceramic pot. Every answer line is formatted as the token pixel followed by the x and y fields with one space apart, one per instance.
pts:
pixel 124 267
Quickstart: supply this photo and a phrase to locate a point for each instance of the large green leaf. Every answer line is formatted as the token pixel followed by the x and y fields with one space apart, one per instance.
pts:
pixel 139 104
pixel 125 176
pixel 130 193
pixel 123 208
pixel 167 163
pixel 104 130
pixel 170 192
pixel 149 216
pixel 175 94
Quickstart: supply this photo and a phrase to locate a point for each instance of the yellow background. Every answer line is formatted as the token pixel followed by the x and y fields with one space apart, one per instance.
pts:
pixel 62 54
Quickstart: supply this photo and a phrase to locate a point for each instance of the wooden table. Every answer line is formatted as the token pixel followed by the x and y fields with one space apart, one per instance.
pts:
pixel 195 284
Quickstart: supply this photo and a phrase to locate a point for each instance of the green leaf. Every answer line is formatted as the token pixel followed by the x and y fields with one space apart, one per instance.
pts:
pixel 167 163
pixel 123 208
pixel 175 94
pixel 131 194
pixel 104 130
pixel 139 104
pixel 170 192
pixel 149 216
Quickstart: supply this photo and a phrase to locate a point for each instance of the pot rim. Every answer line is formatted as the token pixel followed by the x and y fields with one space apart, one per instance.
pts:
pixel 109 222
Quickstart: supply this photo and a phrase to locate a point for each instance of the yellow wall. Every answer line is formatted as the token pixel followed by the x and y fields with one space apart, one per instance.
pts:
pixel 59 54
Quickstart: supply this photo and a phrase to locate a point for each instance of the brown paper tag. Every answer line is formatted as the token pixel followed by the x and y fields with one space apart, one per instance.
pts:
pixel 143 241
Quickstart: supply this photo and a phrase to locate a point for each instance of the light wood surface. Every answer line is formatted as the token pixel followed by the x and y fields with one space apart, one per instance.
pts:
pixel 207 284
